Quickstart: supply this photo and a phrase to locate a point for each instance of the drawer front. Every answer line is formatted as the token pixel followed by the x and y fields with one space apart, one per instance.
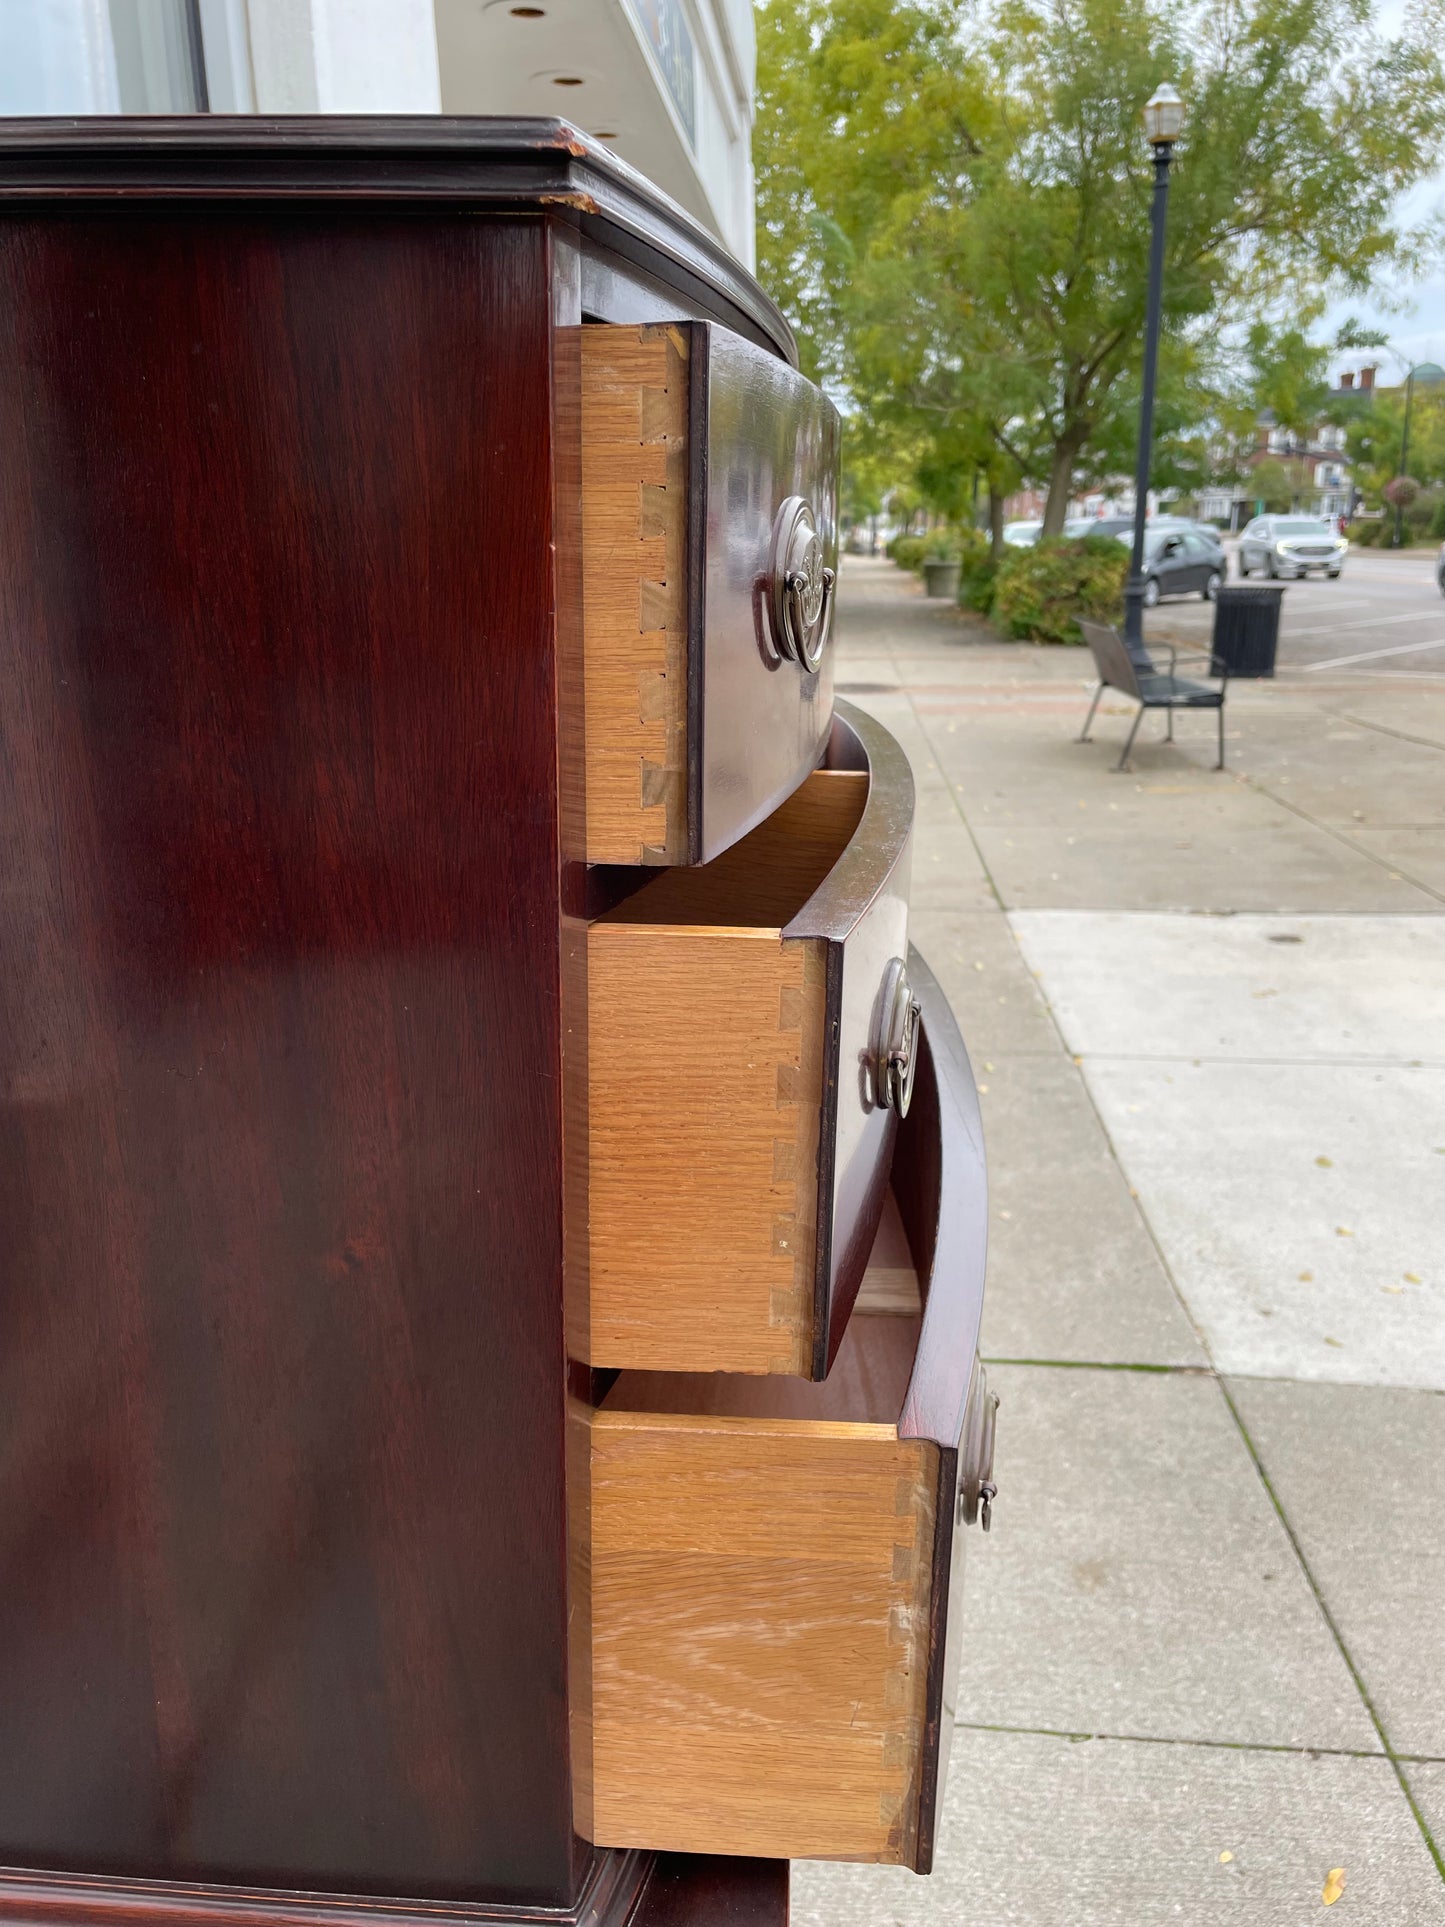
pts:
pixel 735 1125
pixel 861 913
pixel 771 1584
pixel 771 441
pixel 709 477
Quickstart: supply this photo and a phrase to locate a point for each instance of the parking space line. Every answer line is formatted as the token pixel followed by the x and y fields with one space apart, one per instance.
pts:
pixel 1373 655
pixel 1369 622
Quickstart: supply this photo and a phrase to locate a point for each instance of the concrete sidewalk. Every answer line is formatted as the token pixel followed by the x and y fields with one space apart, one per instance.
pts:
pixel 1204 1653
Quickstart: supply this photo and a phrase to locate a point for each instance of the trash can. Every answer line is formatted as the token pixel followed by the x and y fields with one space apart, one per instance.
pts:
pixel 1246 627
pixel 940 577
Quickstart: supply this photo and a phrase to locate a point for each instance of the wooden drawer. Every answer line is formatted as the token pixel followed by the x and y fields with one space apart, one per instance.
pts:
pixel 770 1569
pixel 701 454
pixel 739 1135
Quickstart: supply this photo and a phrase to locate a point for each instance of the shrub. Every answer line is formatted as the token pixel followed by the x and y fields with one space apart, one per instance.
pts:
pixel 908 550
pixel 976 572
pixel 1365 534
pixel 1419 515
pixel 1437 522
pixel 1040 592
pixel 944 545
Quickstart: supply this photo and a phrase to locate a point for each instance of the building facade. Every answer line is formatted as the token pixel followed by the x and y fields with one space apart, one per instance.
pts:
pixel 667 84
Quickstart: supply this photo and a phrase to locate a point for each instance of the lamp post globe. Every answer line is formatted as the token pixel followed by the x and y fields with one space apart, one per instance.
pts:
pixel 1163 124
pixel 1163 116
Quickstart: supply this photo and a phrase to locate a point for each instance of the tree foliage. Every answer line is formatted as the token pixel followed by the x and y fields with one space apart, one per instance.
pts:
pixel 1374 439
pixel 953 208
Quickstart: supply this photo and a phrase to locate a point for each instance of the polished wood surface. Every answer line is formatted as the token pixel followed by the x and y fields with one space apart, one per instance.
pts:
pixel 623 1890
pixel 697 1890
pixel 542 167
pixel 634 581
pixel 281 1398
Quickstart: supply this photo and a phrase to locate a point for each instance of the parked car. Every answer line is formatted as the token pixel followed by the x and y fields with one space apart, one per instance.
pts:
pixel 1099 525
pixel 1283 545
pixel 1022 535
pixel 1179 559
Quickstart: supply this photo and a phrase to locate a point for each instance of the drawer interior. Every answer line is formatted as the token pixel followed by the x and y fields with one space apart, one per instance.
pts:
pixel 764 880
pixel 707 1079
pixel 866 1385
pixel 760 1570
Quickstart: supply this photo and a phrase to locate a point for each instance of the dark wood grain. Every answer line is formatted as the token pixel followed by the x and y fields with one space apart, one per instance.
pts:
pixel 700 1890
pixel 940 1179
pixel 861 910
pixel 509 165
pixel 281 1465
pixel 626 1890
pixel 607 1897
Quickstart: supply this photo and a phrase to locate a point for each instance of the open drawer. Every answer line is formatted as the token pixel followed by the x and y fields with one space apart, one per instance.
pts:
pixel 769 1565
pixel 750 1036
pixel 709 545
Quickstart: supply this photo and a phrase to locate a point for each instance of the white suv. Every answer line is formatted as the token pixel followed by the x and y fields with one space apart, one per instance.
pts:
pixel 1291 545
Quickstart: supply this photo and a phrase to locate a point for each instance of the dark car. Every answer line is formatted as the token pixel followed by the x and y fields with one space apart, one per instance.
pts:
pixel 1099 525
pixel 1180 559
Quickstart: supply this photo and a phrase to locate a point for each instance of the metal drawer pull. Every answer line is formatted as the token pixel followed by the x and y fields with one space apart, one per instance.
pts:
pixel 976 1489
pixel 897 1055
pixel 800 588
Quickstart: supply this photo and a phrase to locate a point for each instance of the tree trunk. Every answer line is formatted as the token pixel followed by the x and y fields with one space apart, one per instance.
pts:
pixel 995 523
pixel 1061 481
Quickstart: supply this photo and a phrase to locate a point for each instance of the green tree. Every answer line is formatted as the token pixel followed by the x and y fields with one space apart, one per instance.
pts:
pixel 954 201
pixel 1373 439
pixel 1279 485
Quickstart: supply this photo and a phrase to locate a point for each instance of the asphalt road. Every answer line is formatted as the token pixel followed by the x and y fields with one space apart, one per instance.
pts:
pixel 1384 617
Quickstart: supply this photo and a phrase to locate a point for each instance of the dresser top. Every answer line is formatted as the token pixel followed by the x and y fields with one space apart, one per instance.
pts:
pixel 511 165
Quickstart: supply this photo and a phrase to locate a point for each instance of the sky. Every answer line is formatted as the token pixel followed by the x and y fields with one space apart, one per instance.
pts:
pixel 1416 328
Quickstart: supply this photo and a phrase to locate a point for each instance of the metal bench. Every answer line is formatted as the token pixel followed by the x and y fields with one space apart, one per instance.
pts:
pixel 1136 674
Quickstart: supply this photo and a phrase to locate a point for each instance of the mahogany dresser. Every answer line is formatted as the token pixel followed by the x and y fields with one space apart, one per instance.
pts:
pixel 491 1205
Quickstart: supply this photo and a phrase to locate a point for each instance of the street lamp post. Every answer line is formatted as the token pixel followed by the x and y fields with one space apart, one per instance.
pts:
pixel 1163 120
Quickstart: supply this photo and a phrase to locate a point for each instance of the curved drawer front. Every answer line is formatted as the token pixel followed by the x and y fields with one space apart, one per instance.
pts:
pixel 771 1562
pixel 860 913
pixel 709 480
pixel 737 1145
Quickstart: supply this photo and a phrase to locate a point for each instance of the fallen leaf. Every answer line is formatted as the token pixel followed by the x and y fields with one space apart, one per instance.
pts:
pixel 983 1090
pixel 1334 1886
pixel 1395 1291
pixel 1306 1277
pixel 1412 1277
pixel 1343 1231
pixel 988 1067
pixel 1325 1164
pixel 978 966
pixel 1225 1858
pixel 1338 1343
